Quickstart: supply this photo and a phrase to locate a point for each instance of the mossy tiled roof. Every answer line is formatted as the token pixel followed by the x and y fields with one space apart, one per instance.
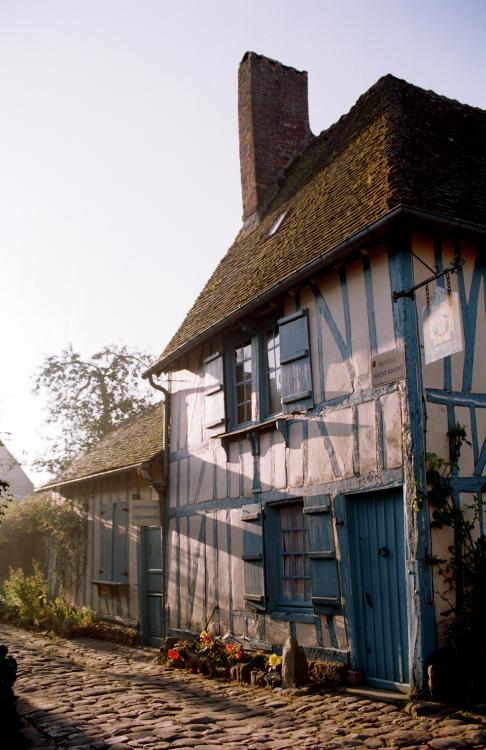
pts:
pixel 132 443
pixel 398 146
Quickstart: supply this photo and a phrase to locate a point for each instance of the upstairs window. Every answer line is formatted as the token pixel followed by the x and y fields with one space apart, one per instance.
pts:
pixel 243 371
pixel 266 372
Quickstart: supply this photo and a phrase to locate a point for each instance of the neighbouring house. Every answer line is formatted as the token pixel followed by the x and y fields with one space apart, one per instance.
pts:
pixel 117 484
pixel 301 406
pixel 11 471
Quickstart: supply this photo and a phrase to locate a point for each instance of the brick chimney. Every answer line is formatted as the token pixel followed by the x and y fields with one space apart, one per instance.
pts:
pixel 273 118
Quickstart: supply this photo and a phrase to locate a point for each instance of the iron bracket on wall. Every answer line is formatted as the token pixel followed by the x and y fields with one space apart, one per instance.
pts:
pixel 456 264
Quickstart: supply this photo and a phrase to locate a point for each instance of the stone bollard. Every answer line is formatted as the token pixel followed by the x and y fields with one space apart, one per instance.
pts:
pixel 295 671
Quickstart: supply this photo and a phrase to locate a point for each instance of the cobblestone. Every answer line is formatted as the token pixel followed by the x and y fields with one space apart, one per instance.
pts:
pixel 91 695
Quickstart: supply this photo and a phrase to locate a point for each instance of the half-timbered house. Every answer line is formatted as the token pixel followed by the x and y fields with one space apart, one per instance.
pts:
pixel 301 405
pixel 117 484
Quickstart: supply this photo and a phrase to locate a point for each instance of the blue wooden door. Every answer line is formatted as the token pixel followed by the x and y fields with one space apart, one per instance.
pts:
pixel 151 585
pixel 377 558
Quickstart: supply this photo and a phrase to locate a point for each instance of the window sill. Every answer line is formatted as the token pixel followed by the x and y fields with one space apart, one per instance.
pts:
pixel 110 584
pixel 252 433
pixel 294 614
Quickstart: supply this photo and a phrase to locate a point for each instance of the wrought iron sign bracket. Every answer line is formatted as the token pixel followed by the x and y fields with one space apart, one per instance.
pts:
pixel 456 264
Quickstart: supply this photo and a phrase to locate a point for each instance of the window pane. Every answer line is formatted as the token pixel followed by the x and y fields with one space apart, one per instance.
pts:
pixel 295 565
pixel 274 389
pixel 243 381
pixel 299 588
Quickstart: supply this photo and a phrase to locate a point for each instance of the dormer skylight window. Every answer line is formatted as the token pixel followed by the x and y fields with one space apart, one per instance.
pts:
pixel 276 225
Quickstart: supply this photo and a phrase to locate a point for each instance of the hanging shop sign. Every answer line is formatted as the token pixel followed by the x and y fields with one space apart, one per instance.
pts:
pixel 441 319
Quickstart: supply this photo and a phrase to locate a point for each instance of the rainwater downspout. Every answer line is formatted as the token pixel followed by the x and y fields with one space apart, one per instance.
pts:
pixel 162 488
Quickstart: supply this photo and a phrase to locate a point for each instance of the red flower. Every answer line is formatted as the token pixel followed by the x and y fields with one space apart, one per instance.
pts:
pixel 230 648
pixel 239 655
pixel 173 654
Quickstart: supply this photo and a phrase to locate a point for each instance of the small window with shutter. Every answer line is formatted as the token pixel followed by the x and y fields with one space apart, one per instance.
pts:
pixel 295 362
pixel 301 560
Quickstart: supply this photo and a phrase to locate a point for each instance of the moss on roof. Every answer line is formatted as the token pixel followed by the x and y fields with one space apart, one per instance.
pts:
pixel 132 443
pixel 398 145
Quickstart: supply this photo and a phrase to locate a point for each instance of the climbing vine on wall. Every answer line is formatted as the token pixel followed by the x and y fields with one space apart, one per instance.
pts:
pixel 464 570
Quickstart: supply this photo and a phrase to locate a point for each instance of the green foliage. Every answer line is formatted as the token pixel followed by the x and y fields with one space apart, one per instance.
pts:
pixel 39 522
pixel 88 397
pixel 464 571
pixel 23 600
pixel 5 497
pixel 64 618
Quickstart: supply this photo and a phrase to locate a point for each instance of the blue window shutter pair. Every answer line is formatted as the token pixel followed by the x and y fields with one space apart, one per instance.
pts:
pixel 114 542
pixel 326 595
pixel 253 557
pixel 214 407
pixel 295 362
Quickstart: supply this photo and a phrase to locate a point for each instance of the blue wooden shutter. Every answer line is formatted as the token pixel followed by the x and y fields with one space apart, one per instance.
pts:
pixel 106 526
pixel 253 559
pixel 214 408
pixel 326 595
pixel 295 362
pixel 120 542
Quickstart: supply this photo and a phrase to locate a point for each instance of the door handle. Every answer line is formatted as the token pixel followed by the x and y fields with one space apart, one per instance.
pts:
pixel 368 599
pixel 384 552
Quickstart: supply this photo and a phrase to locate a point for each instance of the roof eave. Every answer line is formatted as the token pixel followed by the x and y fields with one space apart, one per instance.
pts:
pixel 371 231
pixel 99 474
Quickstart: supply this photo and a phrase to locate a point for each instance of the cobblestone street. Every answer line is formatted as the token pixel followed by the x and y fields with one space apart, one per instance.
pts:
pixel 85 694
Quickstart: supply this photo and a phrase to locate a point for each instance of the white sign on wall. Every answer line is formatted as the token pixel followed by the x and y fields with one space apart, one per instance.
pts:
pixel 387 367
pixel 145 513
pixel 441 319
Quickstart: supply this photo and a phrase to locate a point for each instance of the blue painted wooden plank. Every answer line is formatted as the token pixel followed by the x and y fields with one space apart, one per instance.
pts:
pixel 229 547
pixel 406 328
pixel 253 557
pixel 194 558
pixel 319 633
pixel 200 480
pixel 380 434
pixel 469 308
pixel 474 435
pixel 177 543
pixel 329 447
pixel 355 427
pixel 341 522
pixel 295 362
pixel 455 398
pixel 370 305
pixel 344 345
pixel 468 484
pixel 481 462
pixel 332 631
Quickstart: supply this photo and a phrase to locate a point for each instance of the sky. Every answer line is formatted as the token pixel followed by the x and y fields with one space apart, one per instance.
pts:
pixel 119 167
